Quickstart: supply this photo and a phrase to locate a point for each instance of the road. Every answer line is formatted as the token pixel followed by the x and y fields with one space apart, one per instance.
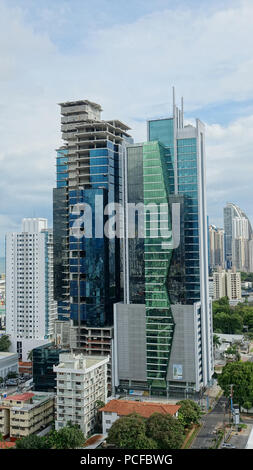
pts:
pixel 211 421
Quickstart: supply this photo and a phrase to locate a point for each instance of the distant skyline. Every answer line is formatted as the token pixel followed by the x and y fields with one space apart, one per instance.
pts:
pixel 127 57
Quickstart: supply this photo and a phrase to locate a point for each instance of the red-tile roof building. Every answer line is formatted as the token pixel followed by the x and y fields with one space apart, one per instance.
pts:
pixel 114 409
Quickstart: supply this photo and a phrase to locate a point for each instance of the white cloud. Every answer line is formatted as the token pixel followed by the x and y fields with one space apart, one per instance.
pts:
pixel 129 69
pixel 230 166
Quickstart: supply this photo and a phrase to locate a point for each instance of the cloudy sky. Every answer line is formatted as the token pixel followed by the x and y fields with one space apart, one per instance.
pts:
pixel 125 55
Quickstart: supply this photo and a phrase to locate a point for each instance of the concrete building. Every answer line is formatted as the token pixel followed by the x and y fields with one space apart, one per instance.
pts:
pixel 233 284
pixel 219 284
pixel 238 234
pixel 87 268
pixel 90 341
pixel 8 363
pixel 30 307
pixel 81 382
pixel 115 409
pixel 227 283
pixel 216 247
pixel 26 413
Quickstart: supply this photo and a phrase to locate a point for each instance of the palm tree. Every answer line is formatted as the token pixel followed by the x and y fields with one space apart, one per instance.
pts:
pixel 30 355
pixel 216 341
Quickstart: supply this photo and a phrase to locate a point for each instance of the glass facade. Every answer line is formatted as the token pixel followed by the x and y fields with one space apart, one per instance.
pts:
pixel 185 262
pixel 136 245
pixel 158 246
pixel 44 359
pixel 89 171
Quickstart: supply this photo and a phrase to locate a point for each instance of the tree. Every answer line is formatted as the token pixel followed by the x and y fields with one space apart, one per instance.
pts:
pixel 98 424
pixel 167 431
pixel 69 437
pixel 228 323
pixel 30 355
pixel 247 405
pixel 233 351
pixel 189 412
pixel 216 341
pixel 129 432
pixel 4 343
pixel 11 375
pixel 240 374
pixel 32 442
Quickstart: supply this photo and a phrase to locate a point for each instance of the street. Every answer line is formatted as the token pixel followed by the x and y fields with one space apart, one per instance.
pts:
pixel 211 421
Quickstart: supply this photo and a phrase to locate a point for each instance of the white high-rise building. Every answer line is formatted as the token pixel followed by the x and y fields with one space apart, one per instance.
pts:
pixel 216 247
pixel 30 307
pixel 227 283
pixel 238 234
pixel 81 382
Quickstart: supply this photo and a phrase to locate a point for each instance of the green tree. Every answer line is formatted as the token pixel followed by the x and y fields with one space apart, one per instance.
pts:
pixel 12 375
pixel 31 442
pixel 247 405
pixel 129 432
pixel 216 341
pixel 30 355
pixel 240 374
pixel 69 437
pixel 233 351
pixel 189 412
pixel 221 305
pixel 167 431
pixel 227 323
pixel 4 343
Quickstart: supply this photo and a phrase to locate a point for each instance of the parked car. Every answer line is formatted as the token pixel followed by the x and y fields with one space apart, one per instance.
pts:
pixel 228 446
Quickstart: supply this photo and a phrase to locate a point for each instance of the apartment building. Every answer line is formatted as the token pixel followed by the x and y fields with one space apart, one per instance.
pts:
pixel 30 307
pixel 227 283
pixel 26 413
pixel 81 382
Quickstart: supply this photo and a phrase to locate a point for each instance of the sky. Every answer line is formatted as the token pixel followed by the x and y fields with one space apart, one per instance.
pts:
pixel 125 56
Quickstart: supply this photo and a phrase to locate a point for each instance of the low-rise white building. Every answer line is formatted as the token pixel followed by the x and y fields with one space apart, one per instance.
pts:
pixel 8 363
pixel 81 382
pixel 115 409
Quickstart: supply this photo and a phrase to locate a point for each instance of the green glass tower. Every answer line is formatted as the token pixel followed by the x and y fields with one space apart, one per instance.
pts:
pixel 158 245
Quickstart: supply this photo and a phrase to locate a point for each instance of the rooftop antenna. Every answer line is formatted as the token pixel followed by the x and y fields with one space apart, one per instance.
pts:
pixel 182 111
pixel 174 102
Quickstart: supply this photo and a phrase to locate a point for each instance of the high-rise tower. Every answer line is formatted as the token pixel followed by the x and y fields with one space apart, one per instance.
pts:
pixel 87 268
pixel 167 275
pixel 30 307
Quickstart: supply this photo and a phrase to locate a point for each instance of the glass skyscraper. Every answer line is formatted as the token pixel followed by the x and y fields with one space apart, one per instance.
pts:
pixel 170 275
pixel 87 268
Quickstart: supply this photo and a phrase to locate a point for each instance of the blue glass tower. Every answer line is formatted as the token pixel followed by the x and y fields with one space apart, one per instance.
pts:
pixel 188 272
pixel 87 268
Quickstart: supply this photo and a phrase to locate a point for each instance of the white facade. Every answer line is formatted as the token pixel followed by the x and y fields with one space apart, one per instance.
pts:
pixel 30 308
pixel 234 291
pixel 227 283
pixel 8 363
pixel 81 382
pixel 216 246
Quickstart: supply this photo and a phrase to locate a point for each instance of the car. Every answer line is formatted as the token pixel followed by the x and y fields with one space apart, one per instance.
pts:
pixel 228 446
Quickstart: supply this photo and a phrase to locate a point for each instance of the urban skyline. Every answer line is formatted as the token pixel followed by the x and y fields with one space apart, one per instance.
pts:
pixel 221 103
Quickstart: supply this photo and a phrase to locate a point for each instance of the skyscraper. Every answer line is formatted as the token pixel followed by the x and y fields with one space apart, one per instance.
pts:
pixel 238 233
pixel 87 268
pixel 216 247
pixel 30 307
pixel 168 169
